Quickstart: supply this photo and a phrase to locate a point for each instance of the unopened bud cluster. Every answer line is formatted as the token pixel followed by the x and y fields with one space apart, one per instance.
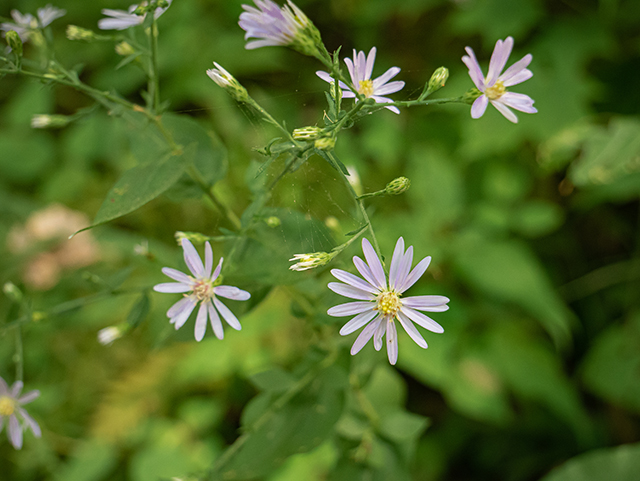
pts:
pixel 78 33
pixel 228 82
pixel 397 186
pixel 44 121
pixel 307 133
pixel 438 79
pixel 124 49
pixel 310 261
pixel 194 237
pixel 15 42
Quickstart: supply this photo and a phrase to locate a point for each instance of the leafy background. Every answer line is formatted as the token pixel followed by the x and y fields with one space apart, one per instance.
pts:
pixel 533 229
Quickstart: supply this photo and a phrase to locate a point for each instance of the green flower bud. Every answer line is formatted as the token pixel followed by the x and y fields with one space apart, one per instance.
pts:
pixel 273 221
pixel 228 82
pixel 78 33
pixel 397 186
pixel 438 79
pixel 307 133
pixel 43 121
pixel 15 42
pixel 310 261
pixel 325 143
pixel 12 291
pixel 192 236
pixel 125 49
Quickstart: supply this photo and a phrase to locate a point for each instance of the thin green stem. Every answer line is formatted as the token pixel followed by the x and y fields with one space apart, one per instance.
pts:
pixel 154 83
pixel 208 191
pixel 19 355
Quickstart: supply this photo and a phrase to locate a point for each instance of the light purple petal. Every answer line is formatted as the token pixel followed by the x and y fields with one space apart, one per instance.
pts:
pixel 422 320
pixel 361 66
pixel 228 316
pixel 371 59
pixel 350 308
pixel 498 60
pixel 479 106
pixel 179 306
pixel 357 322
pixel 365 335
pixel 231 292
pixel 524 74
pixel 350 291
pixel 328 78
pixel 28 397
pixel 14 432
pixel 216 323
pixel 392 342
pixel 515 70
pixel 177 275
pixel 208 259
pixel 389 88
pixel 352 71
pixel 374 263
pixel 521 102
pixel 216 272
pixel 192 259
pixel 16 389
pixel 403 269
pixel 181 317
pixel 35 427
pixel 415 274
pixel 412 331
pixel 364 271
pixel 475 72
pixel 384 78
pixel 377 336
pixel 395 110
pixel 354 281
pixel 201 322
pixel 398 254
pixel 172 287
pixel 426 302
pixel 504 110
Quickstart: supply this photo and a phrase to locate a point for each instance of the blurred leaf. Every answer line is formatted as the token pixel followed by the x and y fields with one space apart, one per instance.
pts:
pixel 496 19
pixel 401 426
pixel 621 463
pixel 91 460
pixel 142 184
pixel 298 426
pixel 609 153
pixel 273 380
pixel 139 311
pixel 25 157
pixel 611 368
pixel 507 270
pixel 536 218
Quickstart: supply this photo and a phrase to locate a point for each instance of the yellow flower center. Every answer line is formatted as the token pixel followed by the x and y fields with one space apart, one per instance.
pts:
pixel 203 289
pixel 388 303
pixel 366 88
pixel 7 406
pixel 496 91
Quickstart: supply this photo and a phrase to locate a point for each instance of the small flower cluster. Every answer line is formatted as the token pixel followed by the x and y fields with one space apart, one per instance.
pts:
pixel 121 20
pixel 25 24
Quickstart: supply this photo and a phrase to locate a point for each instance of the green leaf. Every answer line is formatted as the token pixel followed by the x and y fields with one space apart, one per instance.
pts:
pixel 142 184
pixel 274 380
pixel 621 463
pixel 609 154
pixel 612 366
pixel 401 426
pixel 91 460
pixel 300 425
pixel 139 311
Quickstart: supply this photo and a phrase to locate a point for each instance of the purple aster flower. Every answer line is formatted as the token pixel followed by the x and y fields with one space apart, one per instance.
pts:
pixel 380 304
pixel 201 289
pixel 494 86
pixel 273 25
pixel 360 69
pixel 11 406
pixel 24 24
pixel 121 20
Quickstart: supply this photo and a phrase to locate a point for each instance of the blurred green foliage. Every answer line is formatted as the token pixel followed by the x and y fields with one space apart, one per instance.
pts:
pixel 533 229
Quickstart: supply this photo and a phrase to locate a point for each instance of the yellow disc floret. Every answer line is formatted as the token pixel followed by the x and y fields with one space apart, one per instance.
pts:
pixel 388 303
pixel 366 88
pixel 496 91
pixel 7 406
pixel 203 289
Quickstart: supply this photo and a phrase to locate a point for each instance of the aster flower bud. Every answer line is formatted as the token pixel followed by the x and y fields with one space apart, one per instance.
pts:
pixel 273 221
pixel 190 236
pixel 397 186
pixel 12 291
pixel 44 121
pixel 311 261
pixel 471 95
pixel 325 143
pixel 15 42
pixel 307 133
pixel 110 334
pixel 124 49
pixel 228 82
pixel 78 33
